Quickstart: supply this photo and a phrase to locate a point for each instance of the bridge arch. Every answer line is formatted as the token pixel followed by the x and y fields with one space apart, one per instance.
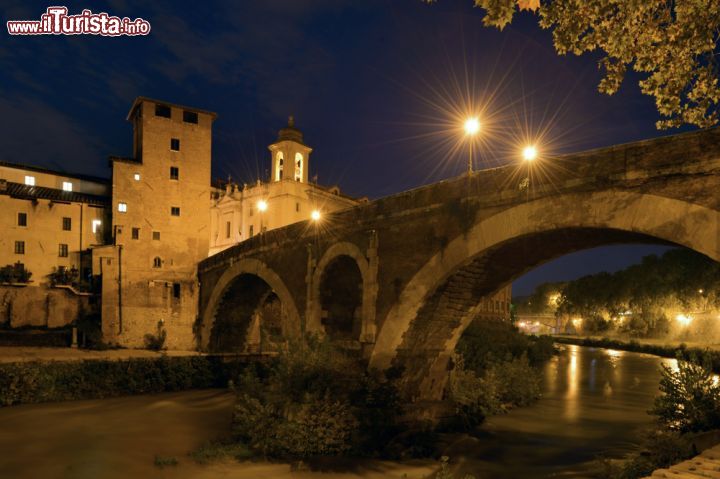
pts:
pixel 263 285
pixel 364 330
pixel 567 223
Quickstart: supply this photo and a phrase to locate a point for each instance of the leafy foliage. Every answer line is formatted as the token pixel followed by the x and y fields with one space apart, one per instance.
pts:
pixel 34 382
pixel 649 289
pixel 314 400
pixel 671 44
pixel 690 399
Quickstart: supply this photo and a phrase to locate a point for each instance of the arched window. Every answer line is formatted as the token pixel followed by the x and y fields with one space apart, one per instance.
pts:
pixel 157 262
pixel 279 166
pixel 298 167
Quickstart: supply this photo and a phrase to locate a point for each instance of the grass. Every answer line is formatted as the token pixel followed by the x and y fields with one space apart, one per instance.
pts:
pixel 165 461
pixel 217 451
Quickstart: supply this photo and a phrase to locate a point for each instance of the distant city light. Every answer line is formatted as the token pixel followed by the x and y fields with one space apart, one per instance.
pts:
pixel 577 322
pixel 315 215
pixel 684 319
pixel 701 291
pixel 472 126
pixel 529 153
pixel 262 205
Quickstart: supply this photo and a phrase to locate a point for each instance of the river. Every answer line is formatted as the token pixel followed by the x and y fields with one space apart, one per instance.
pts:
pixel 594 402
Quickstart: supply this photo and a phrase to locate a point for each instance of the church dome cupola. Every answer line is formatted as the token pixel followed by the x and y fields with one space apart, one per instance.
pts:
pixel 290 133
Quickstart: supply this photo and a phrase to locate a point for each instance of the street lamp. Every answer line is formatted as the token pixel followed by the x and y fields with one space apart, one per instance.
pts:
pixel 315 215
pixel 472 127
pixel 529 153
pixel 262 205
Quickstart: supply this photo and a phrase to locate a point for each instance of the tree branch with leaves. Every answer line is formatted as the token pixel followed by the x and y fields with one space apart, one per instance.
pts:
pixel 672 44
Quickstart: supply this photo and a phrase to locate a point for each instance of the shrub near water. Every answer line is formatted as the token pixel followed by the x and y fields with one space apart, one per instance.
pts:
pixel 314 401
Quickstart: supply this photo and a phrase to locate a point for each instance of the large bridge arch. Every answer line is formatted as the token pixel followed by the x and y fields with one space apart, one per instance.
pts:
pixel 590 218
pixel 367 305
pixel 250 267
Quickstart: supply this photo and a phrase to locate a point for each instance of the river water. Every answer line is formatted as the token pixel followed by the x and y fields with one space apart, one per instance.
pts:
pixel 594 402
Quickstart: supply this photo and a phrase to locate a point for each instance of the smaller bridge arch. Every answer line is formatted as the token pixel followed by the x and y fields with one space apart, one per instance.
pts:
pixel 247 267
pixel 368 272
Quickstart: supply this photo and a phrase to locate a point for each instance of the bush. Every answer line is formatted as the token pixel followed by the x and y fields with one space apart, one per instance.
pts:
pixel 690 399
pixel 314 401
pixel 34 382
pixel 660 449
pixel 156 342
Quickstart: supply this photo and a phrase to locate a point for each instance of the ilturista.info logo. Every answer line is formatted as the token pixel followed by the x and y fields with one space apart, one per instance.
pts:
pixel 56 21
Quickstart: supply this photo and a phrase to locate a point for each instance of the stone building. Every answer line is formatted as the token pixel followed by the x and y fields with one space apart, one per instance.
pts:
pixel 139 236
pixel 50 221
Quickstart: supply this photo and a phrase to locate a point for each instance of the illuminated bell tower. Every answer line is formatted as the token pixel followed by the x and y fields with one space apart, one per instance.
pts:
pixel 290 157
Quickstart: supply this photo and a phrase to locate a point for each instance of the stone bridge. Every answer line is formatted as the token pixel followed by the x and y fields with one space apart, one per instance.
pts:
pixel 401 277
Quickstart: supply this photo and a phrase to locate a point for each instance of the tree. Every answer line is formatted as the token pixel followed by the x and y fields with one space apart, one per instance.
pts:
pixel 670 43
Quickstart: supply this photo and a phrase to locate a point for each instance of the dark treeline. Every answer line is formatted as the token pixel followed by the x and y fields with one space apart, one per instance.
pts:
pixel 642 300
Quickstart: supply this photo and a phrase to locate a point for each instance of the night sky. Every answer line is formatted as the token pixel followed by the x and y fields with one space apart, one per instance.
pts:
pixel 374 86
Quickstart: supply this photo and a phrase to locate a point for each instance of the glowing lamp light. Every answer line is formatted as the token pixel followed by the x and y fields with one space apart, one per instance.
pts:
pixel 262 205
pixel 472 126
pixel 683 319
pixel 315 215
pixel 529 153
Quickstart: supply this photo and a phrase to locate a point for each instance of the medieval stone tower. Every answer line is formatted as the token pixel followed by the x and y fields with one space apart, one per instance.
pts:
pixel 160 224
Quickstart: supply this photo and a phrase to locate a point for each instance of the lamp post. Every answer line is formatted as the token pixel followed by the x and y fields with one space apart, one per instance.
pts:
pixel 529 154
pixel 472 127
pixel 262 207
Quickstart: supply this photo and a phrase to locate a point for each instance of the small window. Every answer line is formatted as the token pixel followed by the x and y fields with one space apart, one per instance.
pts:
pixel 175 210
pixel 22 219
pixel 176 290
pixel 19 247
pixel 252 211
pixel 136 233
pixel 157 262
pixel 30 180
pixel 67 186
pixel 162 110
pixel 67 224
pixel 251 231
pixel 63 250
pixel 156 235
pixel 190 117
pixel 297 207
pixel 174 173
pixel 227 229
pixel 122 207
pixel 96 225
pixel 136 176
pixel 174 144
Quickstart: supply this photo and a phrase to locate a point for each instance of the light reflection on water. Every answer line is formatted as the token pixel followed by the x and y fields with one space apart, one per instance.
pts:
pixel 595 401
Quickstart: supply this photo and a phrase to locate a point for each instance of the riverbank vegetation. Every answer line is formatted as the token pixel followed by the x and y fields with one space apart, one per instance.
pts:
pixel 36 382
pixel 675 295
pixel 688 406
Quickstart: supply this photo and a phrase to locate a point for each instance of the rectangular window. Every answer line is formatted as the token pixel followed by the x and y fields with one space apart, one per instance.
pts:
pixel 19 247
pixel 122 207
pixel 227 229
pixel 22 219
pixel 174 173
pixel 67 224
pixel 252 211
pixel 174 144
pixel 251 231
pixel 176 290
pixel 136 233
pixel 190 117
pixel 63 250
pixel 156 235
pixel 67 186
pixel 297 207
pixel 29 180
pixel 175 210
pixel 96 224
pixel 162 110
